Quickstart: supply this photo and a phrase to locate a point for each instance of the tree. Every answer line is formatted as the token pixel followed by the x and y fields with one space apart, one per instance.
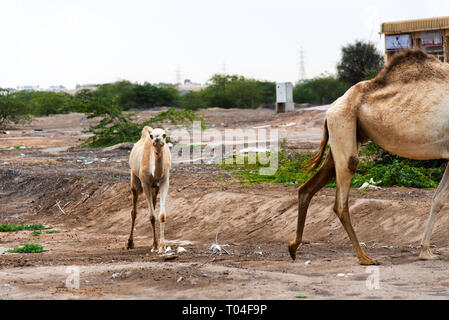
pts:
pixel 321 90
pixel 132 95
pixel 12 110
pixel 233 91
pixel 358 61
pixel 46 103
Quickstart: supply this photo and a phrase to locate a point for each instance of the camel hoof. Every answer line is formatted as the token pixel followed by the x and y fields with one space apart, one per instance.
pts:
pixel 130 244
pixel 155 247
pixel 367 261
pixel 427 255
pixel 292 248
pixel 162 248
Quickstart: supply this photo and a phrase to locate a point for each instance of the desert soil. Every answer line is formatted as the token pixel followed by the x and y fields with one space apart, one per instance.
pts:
pixel 253 226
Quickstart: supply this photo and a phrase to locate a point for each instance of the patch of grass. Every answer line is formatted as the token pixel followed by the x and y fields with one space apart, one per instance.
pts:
pixel 28 248
pixel 13 228
pixel 36 233
pixel 52 231
pixel 384 168
pixel 301 297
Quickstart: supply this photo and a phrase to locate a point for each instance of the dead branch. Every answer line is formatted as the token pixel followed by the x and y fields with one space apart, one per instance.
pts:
pixel 188 185
pixel 57 203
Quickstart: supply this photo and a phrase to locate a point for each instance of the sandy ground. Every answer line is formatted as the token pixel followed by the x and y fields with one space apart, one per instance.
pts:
pixel 205 205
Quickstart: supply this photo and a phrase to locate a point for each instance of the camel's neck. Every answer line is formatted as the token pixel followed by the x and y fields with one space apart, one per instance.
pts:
pixel 158 164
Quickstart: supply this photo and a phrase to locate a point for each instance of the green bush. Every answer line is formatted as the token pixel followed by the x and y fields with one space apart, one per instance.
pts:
pixel 28 248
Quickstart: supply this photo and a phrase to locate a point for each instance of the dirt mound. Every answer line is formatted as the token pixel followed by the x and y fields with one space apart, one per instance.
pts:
pixel 263 213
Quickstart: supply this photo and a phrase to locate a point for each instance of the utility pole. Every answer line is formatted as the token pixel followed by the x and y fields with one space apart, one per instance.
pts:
pixel 223 66
pixel 178 75
pixel 302 70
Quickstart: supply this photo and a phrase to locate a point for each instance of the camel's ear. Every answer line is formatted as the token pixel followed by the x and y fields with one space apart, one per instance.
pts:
pixel 146 131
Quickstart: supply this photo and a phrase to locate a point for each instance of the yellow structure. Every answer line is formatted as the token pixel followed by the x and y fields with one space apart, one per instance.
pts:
pixel 431 35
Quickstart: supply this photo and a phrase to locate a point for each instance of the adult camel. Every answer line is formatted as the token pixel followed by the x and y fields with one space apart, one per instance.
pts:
pixel 404 110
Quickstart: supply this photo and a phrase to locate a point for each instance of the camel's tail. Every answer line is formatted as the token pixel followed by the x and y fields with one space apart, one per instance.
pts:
pixel 315 161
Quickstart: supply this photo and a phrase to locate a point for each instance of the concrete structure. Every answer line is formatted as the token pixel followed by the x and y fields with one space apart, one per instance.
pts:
pixel 284 97
pixel 59 88
pixel 431 35
pixel 28 88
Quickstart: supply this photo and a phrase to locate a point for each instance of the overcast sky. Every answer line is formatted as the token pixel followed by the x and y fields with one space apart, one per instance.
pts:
pixel 68 42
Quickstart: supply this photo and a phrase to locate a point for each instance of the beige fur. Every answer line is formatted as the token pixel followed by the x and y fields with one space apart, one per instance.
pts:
pixel 405 110
pixel 150 162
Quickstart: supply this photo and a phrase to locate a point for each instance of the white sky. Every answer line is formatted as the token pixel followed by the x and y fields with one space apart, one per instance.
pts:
pixel 52 42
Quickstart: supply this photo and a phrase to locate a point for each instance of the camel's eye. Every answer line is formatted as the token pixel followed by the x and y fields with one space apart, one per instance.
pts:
pixel 151 136
pixel 164 135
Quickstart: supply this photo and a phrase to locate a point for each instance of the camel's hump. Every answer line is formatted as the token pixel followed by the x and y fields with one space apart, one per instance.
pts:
pixel 410 65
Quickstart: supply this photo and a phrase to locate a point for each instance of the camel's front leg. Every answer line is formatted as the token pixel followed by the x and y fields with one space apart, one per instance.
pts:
pixel 163 187
pixel 148 194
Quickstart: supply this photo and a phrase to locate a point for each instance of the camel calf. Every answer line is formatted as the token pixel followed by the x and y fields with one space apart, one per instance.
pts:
pixel 150 162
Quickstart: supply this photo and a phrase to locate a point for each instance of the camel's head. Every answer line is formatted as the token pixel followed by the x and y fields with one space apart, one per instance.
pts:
pixel 158 136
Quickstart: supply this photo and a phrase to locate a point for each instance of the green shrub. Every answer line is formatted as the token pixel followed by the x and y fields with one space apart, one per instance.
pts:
pixel 116 127
pixel 28 248
pixel 13 228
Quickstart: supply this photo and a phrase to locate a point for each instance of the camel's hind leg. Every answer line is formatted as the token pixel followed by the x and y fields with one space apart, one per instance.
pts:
pixel 344 146
pixel 136 189
pixel 439 198
pixel 305 194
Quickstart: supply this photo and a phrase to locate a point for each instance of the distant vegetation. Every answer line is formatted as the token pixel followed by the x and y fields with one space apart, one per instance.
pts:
pixel 321 90
pixel 231 91
pixel 359 61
